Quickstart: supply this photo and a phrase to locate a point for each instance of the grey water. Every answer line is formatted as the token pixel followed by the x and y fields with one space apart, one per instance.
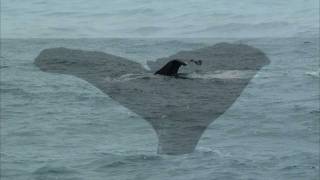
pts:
pixel 57 126
pixel 165 18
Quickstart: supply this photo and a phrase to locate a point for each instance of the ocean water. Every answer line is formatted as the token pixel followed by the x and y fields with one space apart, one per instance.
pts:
pixel 166 18
pixel 57 126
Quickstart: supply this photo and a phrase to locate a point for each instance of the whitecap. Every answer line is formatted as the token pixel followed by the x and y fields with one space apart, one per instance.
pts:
pixel 314 73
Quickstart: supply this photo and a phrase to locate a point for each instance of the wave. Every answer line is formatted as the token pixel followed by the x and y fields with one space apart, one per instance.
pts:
pixel 277 28
pixel 237 26
pixel 204 151
pixel 55 172
pixel 147 30
pixel 314 73
pixel 62 14
pixel 139 11
pixel 110 161
pixel 123 13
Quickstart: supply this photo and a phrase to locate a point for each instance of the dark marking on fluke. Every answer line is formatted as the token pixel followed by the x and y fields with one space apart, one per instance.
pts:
pixel 171 68
pixel 179 110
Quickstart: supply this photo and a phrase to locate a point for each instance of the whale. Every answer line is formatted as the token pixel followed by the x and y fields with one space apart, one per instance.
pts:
pixel 179 110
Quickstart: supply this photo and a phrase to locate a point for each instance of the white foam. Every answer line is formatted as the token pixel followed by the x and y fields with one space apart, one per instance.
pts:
pixel 128 77
pixel 314 73
pixel 219 74
pixel 225 74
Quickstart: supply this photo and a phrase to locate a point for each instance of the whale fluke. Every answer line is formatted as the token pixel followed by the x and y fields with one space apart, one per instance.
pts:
pixel 178 110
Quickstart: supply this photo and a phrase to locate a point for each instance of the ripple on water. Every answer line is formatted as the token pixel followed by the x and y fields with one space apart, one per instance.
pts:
pixel 56 172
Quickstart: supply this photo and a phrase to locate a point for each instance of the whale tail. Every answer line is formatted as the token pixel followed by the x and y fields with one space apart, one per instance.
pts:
pixel 178 110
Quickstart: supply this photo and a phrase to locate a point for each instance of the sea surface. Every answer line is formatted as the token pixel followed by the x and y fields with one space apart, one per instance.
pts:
pixel 56 126
pixel 165 18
